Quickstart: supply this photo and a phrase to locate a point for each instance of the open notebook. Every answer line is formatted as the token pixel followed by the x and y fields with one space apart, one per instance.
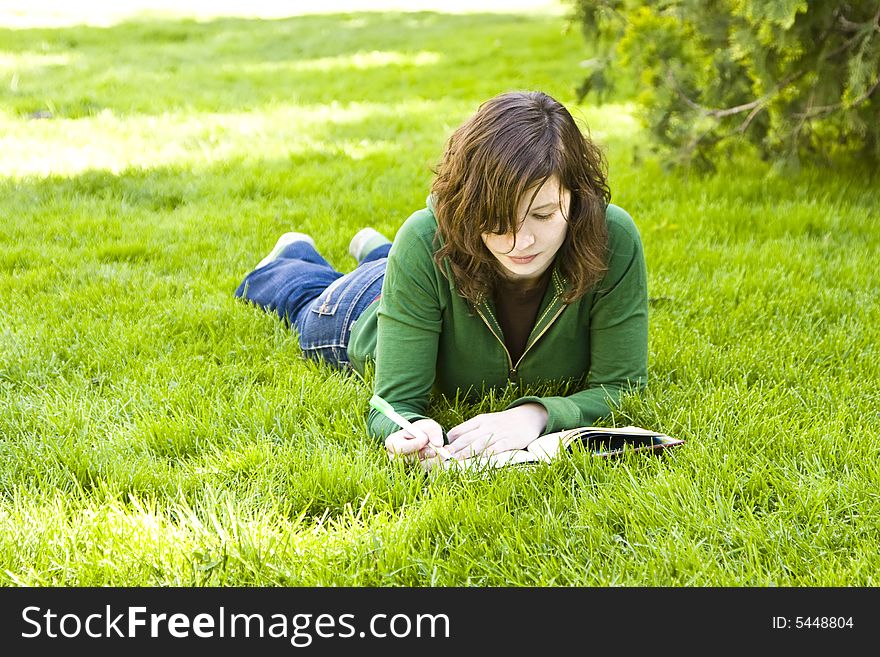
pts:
pixel 600 441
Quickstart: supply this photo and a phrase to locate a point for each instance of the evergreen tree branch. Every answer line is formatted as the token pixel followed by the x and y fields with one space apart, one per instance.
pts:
pixel 813 112
pixel 853 26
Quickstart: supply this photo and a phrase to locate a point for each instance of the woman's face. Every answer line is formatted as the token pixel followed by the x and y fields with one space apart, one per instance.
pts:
pixel 542 226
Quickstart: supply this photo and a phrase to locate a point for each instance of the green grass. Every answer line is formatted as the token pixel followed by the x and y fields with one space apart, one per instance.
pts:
pixel 154 431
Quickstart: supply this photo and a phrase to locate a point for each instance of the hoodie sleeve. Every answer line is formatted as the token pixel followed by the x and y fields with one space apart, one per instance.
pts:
pixel 408 328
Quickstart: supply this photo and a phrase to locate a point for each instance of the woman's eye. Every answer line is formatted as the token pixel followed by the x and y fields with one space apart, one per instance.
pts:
pixel 542 217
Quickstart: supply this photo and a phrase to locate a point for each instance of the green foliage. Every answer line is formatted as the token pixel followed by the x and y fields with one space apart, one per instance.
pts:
pixel 796 79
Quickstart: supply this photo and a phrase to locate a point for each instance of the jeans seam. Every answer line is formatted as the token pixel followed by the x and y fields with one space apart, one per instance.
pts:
pixel 346 328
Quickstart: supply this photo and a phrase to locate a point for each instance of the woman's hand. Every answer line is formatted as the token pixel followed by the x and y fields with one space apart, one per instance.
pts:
pixel 489 433
pixel 403 444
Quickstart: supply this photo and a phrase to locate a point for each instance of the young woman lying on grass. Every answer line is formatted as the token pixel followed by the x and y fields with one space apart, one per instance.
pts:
pixel 517 271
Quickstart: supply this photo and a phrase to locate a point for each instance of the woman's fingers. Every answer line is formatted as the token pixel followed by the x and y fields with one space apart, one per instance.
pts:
pixel 401 443
pixel 458 430
pixel 496 447
pixel 434 432
pixel 495 432
pixel 471 443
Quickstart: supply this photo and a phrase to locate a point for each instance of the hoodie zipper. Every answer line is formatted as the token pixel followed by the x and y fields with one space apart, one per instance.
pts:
pixel 537 337
pixel 512 369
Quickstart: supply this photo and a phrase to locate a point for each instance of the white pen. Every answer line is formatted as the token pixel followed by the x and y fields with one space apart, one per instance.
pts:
pixel 388 411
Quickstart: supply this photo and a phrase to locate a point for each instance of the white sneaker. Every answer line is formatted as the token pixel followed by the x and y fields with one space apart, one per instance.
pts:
pixel 364 241
pixel 284 241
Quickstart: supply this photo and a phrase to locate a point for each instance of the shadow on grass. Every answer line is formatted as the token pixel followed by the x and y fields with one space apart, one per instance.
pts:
pixel 205 221
pixel 159 66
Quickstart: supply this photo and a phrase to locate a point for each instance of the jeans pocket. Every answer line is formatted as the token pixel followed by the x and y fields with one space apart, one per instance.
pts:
pixel 328 306
pixel 324 330
pixel 326 309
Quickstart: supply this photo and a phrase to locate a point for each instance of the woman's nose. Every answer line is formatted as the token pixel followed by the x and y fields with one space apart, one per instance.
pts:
pixel 524 238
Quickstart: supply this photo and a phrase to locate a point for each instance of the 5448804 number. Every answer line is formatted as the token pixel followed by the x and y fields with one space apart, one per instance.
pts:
pixel 823 622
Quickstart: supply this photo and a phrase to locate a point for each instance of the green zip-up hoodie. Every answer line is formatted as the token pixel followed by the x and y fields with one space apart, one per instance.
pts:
pixel 424 336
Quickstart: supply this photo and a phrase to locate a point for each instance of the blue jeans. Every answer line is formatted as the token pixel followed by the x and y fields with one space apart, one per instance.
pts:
pixel 304 290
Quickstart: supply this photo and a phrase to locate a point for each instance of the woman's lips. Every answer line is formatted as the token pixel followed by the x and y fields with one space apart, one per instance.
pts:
pixel 523 261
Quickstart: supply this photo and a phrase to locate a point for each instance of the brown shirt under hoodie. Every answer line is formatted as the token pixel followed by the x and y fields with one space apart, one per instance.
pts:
pixel 517 306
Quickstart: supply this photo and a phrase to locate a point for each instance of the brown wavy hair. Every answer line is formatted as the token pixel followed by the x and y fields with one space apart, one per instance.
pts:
pixel 513 143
